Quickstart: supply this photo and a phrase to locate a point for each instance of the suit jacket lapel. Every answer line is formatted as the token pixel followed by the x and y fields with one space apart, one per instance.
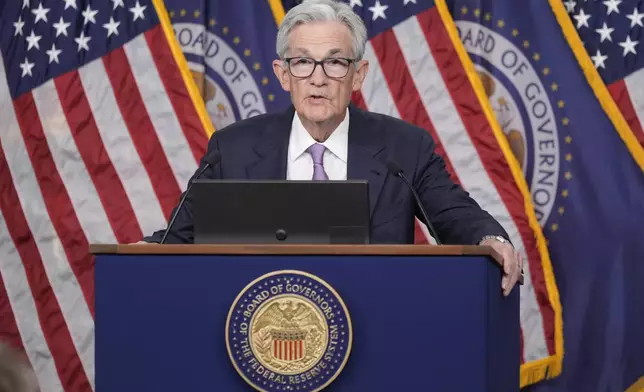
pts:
pixel 272 149
pixel 364 157
pixel 364 152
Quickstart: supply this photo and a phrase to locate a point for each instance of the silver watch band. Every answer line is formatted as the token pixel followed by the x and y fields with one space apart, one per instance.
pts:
pixel 494 237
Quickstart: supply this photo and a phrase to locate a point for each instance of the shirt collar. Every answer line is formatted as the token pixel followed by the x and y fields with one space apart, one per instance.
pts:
pixel 301 140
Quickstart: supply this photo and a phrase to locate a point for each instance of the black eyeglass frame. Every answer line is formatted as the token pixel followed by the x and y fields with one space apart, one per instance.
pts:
pixel 321 63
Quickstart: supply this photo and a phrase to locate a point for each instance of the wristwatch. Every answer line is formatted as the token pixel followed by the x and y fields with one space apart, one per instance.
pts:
pixel 495 237
pixel 505 241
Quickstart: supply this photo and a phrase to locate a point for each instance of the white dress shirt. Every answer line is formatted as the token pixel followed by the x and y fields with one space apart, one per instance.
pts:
pixel 300 162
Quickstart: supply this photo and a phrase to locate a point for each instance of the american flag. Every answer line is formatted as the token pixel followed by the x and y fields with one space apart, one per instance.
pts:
pixel 98 136
pixel 418 71
pixel 612 32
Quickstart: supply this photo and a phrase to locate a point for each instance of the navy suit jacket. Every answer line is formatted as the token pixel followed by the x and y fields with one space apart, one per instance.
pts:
pixel 256 148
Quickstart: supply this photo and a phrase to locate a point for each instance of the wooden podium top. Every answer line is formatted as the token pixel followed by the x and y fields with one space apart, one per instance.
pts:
pixel 294 249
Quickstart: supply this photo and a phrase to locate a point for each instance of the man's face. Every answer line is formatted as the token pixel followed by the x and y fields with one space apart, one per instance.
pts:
pixel 320 96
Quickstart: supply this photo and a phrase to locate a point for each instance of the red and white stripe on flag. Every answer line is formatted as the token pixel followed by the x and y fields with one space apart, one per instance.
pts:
pixel 97 155
pixel 416 74
pixel 628 94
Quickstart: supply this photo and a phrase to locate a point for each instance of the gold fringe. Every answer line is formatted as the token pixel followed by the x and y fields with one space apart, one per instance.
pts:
pixel 551 366
pixel 638 386
pixel 596 83
pixel 179 57
pixel 278 10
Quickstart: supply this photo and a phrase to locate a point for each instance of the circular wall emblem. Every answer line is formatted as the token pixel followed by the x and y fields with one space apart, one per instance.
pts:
pixel 288 331
pixel 224 77
pixel 523 96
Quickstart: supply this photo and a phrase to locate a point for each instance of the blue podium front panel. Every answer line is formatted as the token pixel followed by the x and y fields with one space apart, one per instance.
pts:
pixel 417 322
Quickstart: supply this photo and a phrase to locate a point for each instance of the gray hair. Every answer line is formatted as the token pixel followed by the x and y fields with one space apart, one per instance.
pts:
pixel 323 11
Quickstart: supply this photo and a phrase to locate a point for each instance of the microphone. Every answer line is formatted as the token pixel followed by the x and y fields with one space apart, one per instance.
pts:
pixel 212 159
pixel 397 171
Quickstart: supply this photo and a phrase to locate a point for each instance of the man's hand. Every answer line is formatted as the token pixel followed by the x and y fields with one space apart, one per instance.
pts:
pixel 510 259
pixel 144 243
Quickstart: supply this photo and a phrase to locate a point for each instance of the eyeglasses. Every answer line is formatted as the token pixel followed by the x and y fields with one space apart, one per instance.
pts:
pixel 333 67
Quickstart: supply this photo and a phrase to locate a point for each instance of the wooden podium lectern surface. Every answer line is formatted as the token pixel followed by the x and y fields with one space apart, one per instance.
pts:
pixel 428 250
pixel 207 318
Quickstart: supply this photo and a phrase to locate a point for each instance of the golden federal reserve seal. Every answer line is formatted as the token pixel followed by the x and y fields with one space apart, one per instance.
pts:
pixel 288 331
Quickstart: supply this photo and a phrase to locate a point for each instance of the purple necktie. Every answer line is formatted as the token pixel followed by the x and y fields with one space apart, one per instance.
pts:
pixel 317 151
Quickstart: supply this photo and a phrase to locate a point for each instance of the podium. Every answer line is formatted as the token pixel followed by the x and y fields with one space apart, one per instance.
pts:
pixel 216 318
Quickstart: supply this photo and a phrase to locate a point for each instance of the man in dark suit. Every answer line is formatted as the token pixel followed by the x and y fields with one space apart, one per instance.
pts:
pixel 322 136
